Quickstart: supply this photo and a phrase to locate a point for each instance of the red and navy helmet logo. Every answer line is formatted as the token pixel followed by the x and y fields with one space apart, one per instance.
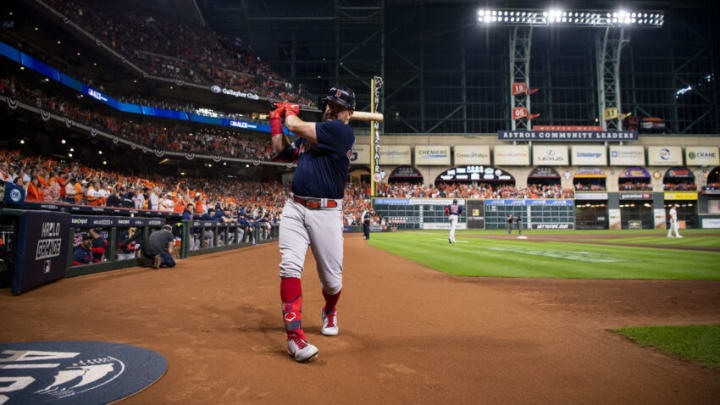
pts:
pixel 338 93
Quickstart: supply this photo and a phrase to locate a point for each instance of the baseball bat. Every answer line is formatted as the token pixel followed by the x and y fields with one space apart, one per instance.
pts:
pixel 366 116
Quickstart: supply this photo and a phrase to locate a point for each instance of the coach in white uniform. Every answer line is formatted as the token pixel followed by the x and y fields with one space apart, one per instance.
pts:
pixel 673 223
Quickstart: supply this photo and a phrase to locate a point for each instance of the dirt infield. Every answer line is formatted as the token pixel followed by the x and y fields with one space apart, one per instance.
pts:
pixel 578 238
pixel 408 334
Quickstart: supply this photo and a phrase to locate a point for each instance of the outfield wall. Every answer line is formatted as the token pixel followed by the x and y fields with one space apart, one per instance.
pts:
pixel 447 152
pixel 599 210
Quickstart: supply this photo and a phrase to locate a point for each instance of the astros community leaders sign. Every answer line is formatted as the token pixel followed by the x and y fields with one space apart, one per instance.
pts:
pixel 564 136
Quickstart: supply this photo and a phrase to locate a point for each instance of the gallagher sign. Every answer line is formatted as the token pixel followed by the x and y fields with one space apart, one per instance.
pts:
pixel 564 136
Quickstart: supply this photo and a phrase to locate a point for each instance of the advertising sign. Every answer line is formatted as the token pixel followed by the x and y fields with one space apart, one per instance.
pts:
pixel 636 196
pixel 659 214
pixel 512 155
pixel 360 155
pixel 591 196
pixel 589 155
pixel 711 223
pixel 568 128
pixel 614 218
pixel 472 155
pixel 635 173
pixel 42 249
pixel 627 155
pixel 432 155
pixel 475 173
pixel 550 155
pixel 565 136
pixel 394 155
pixel 684 196
pixel 702 156
pixel 665 156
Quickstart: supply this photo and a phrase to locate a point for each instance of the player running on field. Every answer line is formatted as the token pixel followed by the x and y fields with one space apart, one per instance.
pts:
pixel 453 211
pixel 312 215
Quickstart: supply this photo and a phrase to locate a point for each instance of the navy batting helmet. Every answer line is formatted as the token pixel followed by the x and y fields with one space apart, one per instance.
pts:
pixel 340 95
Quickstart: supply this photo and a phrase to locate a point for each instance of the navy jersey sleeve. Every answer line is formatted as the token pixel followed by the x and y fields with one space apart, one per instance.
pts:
pixel 334 136
pixel 290 153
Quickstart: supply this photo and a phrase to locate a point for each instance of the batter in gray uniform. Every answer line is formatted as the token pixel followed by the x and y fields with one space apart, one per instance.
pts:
pixel 312 215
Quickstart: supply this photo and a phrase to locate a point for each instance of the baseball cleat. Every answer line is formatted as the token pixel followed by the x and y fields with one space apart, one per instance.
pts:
pixel 329 326
pixel 157 260
pixel 300 350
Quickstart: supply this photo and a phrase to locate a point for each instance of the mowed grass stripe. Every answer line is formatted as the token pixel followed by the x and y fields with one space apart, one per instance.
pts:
pixel 503 258
pixel 698 241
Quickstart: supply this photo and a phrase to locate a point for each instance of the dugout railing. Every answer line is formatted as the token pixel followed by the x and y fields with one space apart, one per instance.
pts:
pixel 37 245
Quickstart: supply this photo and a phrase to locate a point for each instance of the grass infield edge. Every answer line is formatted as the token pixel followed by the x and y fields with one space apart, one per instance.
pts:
pixel 684 342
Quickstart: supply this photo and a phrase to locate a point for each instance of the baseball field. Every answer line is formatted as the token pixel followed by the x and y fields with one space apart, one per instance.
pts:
pixel 411 329
pixel 562 254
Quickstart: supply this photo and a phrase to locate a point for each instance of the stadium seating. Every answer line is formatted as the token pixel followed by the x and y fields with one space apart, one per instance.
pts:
pixel 209 139
pixel 168 48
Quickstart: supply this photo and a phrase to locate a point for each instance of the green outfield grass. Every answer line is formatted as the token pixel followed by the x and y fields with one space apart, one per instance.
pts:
pixel 695 342
pixel 525 258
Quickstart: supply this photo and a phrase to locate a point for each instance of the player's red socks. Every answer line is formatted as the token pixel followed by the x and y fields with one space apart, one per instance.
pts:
pixel 331 300
pixel 291 295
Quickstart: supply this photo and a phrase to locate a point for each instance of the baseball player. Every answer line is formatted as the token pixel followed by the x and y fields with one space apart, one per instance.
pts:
pixel 673 222
pixel 312 215
pixel 453 211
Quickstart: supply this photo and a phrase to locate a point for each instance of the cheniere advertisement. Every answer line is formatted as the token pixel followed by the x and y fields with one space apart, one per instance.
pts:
pixel 432 155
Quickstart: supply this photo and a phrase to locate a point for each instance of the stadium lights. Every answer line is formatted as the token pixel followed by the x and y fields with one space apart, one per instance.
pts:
pixel 586 18
pixel 62 142
pixel 69 154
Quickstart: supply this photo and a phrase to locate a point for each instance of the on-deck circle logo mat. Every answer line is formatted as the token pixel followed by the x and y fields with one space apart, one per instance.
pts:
pixel 75 372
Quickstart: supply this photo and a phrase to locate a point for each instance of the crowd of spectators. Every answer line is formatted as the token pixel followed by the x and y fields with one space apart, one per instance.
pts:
pixel 54 181
pixel 165 47
pixel 712 187
pixel 209 139
pixel 589 187
pixel 473 191
pixel 187 107
pixel 635 185
pixel 680 187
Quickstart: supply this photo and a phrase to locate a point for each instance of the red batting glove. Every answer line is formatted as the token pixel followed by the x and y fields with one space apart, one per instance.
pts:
pixel 291 109
pixel 279 112
pixel 276 119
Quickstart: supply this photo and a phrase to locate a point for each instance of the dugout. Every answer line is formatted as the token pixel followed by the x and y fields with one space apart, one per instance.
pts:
pixel 591 210
pixel 634 179
pixel 636 210
pixel 543 176
pixel 405 174
pixel 590 179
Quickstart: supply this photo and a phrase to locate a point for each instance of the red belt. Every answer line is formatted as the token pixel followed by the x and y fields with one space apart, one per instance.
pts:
pixel 315 203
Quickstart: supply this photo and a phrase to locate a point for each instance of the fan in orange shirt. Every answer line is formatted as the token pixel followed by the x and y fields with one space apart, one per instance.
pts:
pixel 34 191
